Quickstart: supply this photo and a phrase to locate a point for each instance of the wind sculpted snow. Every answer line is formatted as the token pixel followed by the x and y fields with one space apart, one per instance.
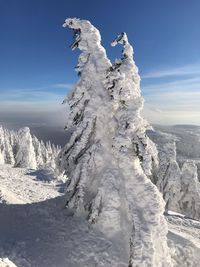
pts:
pixel 109 156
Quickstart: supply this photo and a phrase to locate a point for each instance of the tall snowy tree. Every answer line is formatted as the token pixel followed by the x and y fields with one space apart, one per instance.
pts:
pixel 135 156
pixel 83 156
pixel 108 155
pixel 123 83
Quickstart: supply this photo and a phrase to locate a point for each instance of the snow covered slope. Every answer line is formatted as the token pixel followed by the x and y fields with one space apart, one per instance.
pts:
pixel 20 186
pixel 184 240
pixel 35 230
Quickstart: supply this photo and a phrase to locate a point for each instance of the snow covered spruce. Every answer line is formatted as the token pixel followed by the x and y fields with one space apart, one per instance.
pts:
pixel 109 157
pixel 169 176
pixel 178 182
pixel 21 149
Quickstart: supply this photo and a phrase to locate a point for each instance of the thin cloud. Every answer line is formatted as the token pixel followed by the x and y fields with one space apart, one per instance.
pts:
pixel 176 84
pixel 176 92
pixel 171 117
pixel 179 71
pixel 31 96
pixel 175 98
pixel 45 93
pixel 63 85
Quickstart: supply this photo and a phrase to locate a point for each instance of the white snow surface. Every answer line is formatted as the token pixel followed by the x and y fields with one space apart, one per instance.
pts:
pixel 19 185
pixel 36 230
pixel 5 262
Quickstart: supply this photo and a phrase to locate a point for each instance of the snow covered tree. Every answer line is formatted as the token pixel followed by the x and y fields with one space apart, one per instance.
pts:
pixel 169 176
pixel 6 149
pixel 190 191
pixel 180 186
pixel 2 156
pixel 38 151
pixel 123 83
pixel 21 149
pixel 109 156
pixel 136 154
pixel 26 154
pixel 89 112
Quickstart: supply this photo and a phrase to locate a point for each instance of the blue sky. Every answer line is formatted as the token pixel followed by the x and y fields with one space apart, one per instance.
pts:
pixel 37 66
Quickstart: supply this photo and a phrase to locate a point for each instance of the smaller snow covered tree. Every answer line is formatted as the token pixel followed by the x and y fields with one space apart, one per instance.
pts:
pixel 2 156
pixel 38 151
pixel 6 148
pixel 21 149
pixel 190 191
pixel 180 186
pixel 169 176
pixel 25 157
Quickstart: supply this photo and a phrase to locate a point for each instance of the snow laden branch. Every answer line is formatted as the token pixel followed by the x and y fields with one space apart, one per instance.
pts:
pixel 109 156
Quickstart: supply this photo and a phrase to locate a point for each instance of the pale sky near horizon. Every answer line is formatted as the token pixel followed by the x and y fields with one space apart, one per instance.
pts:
pixel 37 65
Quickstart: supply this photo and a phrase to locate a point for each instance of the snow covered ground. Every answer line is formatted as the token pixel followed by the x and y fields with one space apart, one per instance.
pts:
pixel 184 240
pixel 36 230
pixel 22 186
